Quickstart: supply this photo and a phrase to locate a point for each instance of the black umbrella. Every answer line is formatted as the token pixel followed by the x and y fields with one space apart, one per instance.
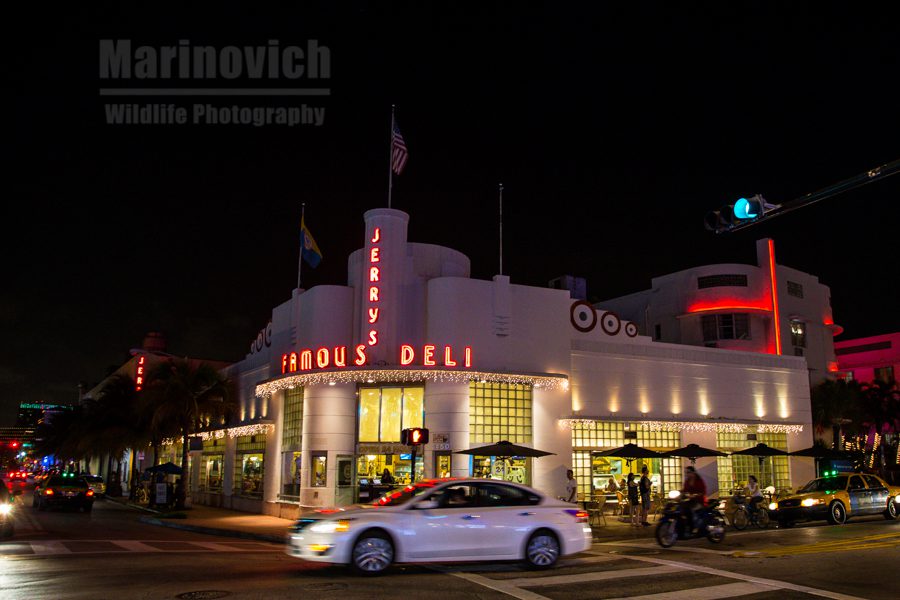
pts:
pixel 504 449
pixel 631 452
pixel 168 468
pixel 693 452
pixel 821 452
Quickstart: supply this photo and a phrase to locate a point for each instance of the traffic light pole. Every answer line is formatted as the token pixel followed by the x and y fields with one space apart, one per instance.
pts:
pixel 870 176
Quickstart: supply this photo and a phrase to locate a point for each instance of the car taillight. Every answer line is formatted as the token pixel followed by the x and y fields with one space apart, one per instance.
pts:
pixel 48 492
pixel 581 516
pixel 90 492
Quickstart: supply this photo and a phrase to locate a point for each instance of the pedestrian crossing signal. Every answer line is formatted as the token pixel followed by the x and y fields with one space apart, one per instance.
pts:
pixel 414 436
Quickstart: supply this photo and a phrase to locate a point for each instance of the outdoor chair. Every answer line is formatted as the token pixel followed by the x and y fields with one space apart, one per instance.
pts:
pixel 596 510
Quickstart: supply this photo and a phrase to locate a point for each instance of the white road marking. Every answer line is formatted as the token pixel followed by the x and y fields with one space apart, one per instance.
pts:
pixel 217 547
pixel 727 590
pixel 135 546
pixel 673 548
pixel 43 548
pixel 497 585
pixel 595 576
pixel 749 578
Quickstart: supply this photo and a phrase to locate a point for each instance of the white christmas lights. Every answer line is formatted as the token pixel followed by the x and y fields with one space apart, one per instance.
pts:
pixel 549 382
pixel 692 426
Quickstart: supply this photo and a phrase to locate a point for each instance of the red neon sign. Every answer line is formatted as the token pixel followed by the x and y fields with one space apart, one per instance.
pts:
pixel 139 374
pixel 374 289
pixel 336 357
pixel 776 316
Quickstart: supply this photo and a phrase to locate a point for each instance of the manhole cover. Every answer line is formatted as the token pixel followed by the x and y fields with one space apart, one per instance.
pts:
pixel 324 587
pixel 203 595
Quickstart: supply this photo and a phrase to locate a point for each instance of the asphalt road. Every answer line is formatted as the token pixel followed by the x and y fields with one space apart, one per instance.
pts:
pixel 110 554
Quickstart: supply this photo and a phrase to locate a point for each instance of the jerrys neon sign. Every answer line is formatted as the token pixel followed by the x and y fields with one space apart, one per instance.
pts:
pixel 336 357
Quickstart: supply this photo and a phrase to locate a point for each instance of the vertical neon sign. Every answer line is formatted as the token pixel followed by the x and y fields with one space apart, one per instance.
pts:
pixel 775 311
pixel 374 272
pixel 139 374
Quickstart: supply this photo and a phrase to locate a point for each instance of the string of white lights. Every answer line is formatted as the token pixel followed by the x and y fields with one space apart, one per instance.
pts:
pixel 231 432
pixel 708 426
pixel 549 382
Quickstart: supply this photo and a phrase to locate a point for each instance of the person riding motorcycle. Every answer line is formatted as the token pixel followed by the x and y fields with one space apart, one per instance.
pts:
pixel 693 495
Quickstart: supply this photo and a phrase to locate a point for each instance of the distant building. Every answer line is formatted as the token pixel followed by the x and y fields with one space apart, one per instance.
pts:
pixel 732 306
pixel 32 414
pixel 870 358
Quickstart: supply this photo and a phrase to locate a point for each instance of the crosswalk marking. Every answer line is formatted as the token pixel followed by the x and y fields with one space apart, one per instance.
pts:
pixel 135 546
pixel 713 592
pixel 41 548
pixel 29 549
pixel 595 576
pixel 217 547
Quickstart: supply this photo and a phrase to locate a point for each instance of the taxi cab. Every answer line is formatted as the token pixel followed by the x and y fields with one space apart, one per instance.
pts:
pixel 837 497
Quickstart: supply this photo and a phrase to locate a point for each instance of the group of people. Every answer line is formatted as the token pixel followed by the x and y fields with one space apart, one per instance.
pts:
pixel 638 490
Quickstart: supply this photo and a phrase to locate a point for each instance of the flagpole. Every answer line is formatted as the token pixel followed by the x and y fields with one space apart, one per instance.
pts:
pixel 501 229
pixel 302 241
pixel 390 157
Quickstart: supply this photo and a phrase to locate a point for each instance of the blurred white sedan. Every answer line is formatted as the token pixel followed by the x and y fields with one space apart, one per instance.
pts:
pixel 443 520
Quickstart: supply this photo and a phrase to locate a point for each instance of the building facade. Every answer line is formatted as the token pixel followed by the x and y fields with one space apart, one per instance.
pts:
pixel 766 308
pixel 411 340
pixel 875 358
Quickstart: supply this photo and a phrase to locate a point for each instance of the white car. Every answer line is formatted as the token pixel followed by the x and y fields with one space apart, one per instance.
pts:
pixel 441 520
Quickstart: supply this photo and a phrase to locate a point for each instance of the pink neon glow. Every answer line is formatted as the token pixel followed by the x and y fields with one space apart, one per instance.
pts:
pixel 776 317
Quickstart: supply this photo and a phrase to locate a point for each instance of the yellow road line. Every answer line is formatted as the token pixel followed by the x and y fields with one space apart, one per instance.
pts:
pixel 881 540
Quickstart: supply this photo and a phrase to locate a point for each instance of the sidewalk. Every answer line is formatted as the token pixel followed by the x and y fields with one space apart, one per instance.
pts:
pixel 232 523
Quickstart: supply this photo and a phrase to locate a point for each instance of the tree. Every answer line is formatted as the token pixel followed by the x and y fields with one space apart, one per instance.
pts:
pixel 61 435
pixel 188 396
pixel 880 403
pixel 836 404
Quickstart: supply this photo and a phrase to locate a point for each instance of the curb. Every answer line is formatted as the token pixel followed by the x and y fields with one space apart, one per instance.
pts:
pixel 263 537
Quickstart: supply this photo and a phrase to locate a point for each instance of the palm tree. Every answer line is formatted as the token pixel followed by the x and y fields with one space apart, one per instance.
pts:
pixel 188 396
pixel 835 404
pixel 881 412
pixel 62 435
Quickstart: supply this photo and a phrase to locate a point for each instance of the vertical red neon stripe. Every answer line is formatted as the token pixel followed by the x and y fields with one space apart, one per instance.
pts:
pixel 776 314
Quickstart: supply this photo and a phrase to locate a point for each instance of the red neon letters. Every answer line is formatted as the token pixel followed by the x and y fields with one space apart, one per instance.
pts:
pixel 374 290
pixel 336 357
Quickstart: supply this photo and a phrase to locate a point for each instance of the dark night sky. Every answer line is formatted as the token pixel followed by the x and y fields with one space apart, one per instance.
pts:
pixel 613 130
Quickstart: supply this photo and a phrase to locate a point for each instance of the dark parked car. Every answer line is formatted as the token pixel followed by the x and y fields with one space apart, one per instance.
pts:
pixel 63 490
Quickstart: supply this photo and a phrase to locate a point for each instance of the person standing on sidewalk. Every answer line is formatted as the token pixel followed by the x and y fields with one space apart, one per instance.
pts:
pixel 571 487
pixel 633 499
pixel 644 486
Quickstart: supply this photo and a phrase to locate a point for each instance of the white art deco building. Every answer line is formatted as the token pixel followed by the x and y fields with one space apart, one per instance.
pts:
pixel 411 341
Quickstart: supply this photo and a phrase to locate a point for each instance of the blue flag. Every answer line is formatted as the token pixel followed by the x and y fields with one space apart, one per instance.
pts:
pixel 308 247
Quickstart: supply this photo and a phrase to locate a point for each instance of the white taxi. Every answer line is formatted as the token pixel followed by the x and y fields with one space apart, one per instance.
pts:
pixel 441 520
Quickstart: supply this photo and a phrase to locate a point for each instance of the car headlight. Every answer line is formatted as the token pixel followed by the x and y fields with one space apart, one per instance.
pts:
pixel 5 509
pixel 812 502
pixel 336 526
pixel 773 506
pixel 674 494
pixel 897 499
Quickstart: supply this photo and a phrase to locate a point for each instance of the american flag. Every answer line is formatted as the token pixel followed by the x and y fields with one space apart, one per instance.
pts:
pixel 398 150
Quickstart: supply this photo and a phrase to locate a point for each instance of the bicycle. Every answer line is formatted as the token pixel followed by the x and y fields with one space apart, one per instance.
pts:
pixel 140 495
pixel 743 516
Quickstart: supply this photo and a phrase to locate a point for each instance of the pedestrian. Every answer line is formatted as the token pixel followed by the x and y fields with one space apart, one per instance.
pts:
pixel 386 477
pixel 633 501
pixel 644 486
pixel 571 487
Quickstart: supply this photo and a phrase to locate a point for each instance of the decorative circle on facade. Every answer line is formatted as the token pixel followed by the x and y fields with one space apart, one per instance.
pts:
pixel 269 334
pixel 631 329
pixel 583 316
pixel 259 341
pixel 610 323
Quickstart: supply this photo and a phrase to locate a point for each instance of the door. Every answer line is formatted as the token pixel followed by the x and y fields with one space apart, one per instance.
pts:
pixel 859 496
pixel 343 492
pixel 509 515
pixel 878 494
pixel 454 529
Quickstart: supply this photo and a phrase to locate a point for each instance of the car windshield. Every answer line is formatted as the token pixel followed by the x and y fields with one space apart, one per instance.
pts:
pixel 401 496
pixel 825 483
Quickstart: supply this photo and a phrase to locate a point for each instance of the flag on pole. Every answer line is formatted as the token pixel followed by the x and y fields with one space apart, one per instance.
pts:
pixel 398 150
pixel 309 250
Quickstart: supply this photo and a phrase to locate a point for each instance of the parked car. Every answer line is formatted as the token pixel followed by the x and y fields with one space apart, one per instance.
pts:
pixel 96 483
pixel 838 497
pixel 444 521
pixel 63 490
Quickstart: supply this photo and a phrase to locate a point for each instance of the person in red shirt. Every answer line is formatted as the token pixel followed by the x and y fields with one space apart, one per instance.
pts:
pixel 693 493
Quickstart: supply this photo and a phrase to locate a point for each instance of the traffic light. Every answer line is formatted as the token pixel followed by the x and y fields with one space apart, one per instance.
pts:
pixel 744 210
pixel 414 436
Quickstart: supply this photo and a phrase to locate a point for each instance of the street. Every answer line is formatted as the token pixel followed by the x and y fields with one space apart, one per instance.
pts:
pixel 109 553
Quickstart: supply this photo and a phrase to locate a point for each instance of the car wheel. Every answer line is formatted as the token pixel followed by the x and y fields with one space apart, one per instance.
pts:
pixel 740 519
pixel 837 514
pixel 666 534
pixel 893 510
pixel 542 550
pixel 372 553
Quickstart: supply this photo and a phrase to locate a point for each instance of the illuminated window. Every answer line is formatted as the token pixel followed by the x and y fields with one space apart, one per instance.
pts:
pixel 212 465
pixel 798 334
pixel 725 327
pixel 385 411
pixel 734 470
pixel 499 411
pixel 885 374
pixel 318 476
pixel 249 465
pixel 292 428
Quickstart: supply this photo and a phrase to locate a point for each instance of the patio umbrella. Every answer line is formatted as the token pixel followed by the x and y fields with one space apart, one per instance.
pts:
pixel 504 449
pixel 168 468
pixel 631 452
pixel 761 451
pixel 693 452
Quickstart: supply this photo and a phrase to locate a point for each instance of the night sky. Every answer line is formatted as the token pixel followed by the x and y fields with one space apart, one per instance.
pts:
pixel 613 132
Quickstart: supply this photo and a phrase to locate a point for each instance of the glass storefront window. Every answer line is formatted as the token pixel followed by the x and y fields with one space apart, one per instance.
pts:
pixel 319 469
pixel 515 469
pixel 371 467
pixel 499 411
pixel 251 475
pixel 384 412
pixel 215 470
pixel 290 475
pixel 733 471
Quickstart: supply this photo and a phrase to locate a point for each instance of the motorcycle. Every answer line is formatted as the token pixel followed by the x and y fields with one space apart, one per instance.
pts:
pixel 675 522
pixel 6 514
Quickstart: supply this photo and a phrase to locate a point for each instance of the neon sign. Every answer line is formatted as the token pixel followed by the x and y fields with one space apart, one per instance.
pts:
pixel 373 310
pixel 139 374
pixel 336 357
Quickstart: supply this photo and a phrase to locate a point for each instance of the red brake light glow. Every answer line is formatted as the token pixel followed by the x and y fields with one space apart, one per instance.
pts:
pixel 90 493
pixel 48 492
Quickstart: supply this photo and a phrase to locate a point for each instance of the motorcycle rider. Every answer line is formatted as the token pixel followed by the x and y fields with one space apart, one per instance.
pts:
pixel 693 494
